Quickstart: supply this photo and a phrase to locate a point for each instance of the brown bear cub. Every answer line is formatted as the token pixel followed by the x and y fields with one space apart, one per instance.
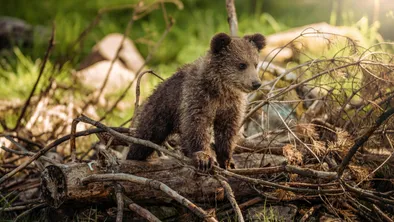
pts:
pixel 209 93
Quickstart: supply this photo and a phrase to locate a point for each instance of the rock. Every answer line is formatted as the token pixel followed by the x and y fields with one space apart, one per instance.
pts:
pixel 316 41
pixel 106 49
pixel 94 76
pixel 14 31
pixel 93 70
pixel 271 213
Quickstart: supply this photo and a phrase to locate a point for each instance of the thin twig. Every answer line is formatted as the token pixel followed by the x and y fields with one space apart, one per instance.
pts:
pixel 310 212
pixel 130 139
pixel 126 33
pixel 275 185
pixel 294 86
pixel 230 197
pixel 49 147
pixel 29 211
pixel 359 142
pixel 366 193
pixel 22 139
pixel 382 164
pixel 44 62
pixel 232 17
pixel 243 205
pixel 16 208
pixel 147 59
pixel 73 149
pixel 119 202
pixel 306 172
pixel 70 54
pixel 294 135
pixel 154 184
pixel 138 88
pixel 28 153
pixel 144 213
pixel 382 214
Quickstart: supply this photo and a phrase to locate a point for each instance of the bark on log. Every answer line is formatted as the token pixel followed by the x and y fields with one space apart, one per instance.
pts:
pixel 62 183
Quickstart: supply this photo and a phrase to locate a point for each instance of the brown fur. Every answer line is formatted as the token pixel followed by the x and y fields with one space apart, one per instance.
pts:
pixel 209 93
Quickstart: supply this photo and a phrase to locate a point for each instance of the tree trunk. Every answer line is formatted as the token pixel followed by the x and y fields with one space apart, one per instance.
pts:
pixel 62 183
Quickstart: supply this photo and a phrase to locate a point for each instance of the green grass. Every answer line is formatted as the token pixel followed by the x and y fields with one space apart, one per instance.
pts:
pixel 189 38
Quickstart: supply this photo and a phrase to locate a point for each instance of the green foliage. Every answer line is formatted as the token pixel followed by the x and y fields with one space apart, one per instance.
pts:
pixel 18 76
pixel 188 39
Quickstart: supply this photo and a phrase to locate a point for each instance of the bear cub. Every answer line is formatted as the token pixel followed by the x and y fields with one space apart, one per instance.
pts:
pixel 207 94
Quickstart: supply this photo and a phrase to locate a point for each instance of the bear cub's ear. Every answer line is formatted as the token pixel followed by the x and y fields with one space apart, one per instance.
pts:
pixel 219 41
pixel 258 39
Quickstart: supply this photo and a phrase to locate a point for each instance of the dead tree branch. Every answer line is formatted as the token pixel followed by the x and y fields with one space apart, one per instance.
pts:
pixel 144 213
pixel 49 147
pixel 147 59
pixel 42 68
pixel 383 117
pixel 230 196
pixel 232 17
pixel 138 88
pixel 126 33
pixel 154 184
pixel 119 202
pixel 382 214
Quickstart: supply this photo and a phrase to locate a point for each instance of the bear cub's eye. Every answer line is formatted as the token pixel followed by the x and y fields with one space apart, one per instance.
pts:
pixel 242 66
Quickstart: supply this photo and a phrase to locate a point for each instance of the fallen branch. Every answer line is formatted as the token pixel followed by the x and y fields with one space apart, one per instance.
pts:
pixel 144 213
pixel 232 17
pixel 382 214
pixel 49 147
pixel 137 89
pixel 154 184
pixel 119 202
pixel 230 196
pixel 44 62
pixel 147 59
pixel 359 142
pixel 288 169
pixel 366 193
pixel 20 216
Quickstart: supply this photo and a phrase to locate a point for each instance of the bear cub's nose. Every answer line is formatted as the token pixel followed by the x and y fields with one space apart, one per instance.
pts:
pixel 256 85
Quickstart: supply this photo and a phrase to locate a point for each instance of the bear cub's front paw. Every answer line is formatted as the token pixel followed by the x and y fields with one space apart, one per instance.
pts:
pixel 203 161
pixel 227 164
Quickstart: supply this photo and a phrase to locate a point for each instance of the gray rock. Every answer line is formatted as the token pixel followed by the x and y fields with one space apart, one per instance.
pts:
pixel 94 76
pixel 14 31
pixel 106 49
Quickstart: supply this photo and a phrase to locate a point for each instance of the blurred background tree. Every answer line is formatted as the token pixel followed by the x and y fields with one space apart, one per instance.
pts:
pixel 194 25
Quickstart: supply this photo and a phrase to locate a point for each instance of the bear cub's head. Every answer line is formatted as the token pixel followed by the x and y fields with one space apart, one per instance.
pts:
pixel 236 60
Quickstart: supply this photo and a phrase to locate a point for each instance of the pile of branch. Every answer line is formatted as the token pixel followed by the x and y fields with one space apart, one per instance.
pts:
pixel 173 178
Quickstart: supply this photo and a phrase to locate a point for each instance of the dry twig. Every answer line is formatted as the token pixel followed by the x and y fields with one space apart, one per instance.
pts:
pixel 147 59
pixel 231 198
pixel 44 62
pixel 232 17
pixel 119 202
pixel 359 142
pixel 144 213
pixel 152 184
